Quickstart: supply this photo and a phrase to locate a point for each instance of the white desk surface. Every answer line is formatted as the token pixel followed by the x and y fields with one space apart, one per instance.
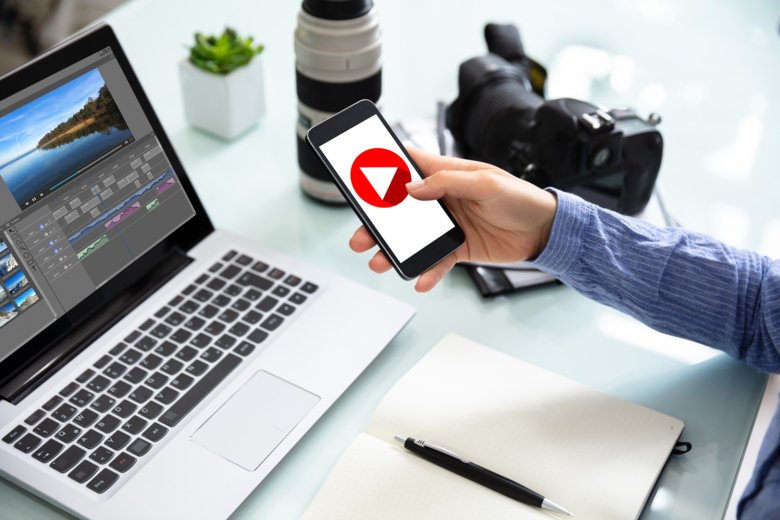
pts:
pixel 709 68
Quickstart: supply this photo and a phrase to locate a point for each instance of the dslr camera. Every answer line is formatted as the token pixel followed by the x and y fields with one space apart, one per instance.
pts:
pixel 609 156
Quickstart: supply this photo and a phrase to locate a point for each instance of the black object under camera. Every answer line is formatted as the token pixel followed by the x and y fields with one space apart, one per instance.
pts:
pixel 608 156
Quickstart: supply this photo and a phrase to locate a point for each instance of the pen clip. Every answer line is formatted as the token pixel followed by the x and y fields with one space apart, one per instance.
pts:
pixel 440 449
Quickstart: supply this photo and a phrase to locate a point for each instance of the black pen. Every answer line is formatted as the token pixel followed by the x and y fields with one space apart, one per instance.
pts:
pixel 453 462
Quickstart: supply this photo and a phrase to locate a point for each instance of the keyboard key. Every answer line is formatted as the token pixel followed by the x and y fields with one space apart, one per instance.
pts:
pixel 297 298
pixel 188 290
pixel 292 280
pixel 46 427
pixel 216 284
pixel 181 336
pixel 240 305
pixel 167 395
pixel 160 331
pixel 260 267
pixel 120 389
pixel 257 336
pixel 233 290
pixel 104 480
pixel 118 348
pixel 225 341
pixel 267 303
pixel 141 394
pixel 84 377
pixel 102 455
pixel 202 279
pixel 36 416
pixel 139 447
pixel 252 317
pixel 175 319
pixel 118 440
pixel 136 375
pixel 81 398
pixel 309 288
pixel 107 424
pixel 90 439
pixel 243 260
pixel 195 323
pixel 103 361
pixel 221 300
pixel 122 462
pixel 201 389
pixel 69 389
pixel 244 348
pixel 211 354
pixel 202 340
pixel 52 403
pixel 189 307
pixel 64 413
pixel 98 384
pixel 239 329
pixel 27 443
pixel 209 311
pixel 215 328
pixel 281 291
pixel 162 312
pixel 229 255
pixel 176 301
pixel 68 433
pixel 150 410
pixel 146 343
pixel 253 295
pixel 256 281
pixel 230 272
pixel 272 322
pixel 182 382
pixel 172 367
pixel 156 432
pixel 151 362
pixel 132 336
pixel 148 324
pixel 83 471
pixel 103 403
pixel 197 368
pixel 114 370
pixel 157 380
pixel 85 418
pixel 124 409
pixel 186 353
pixel 203 295
pixel 14 434
pixel 166 349
pixel 276 274
pixel 228 316
pixel 216 267
pixel 68 459
pixel 285 309
pixel 48 451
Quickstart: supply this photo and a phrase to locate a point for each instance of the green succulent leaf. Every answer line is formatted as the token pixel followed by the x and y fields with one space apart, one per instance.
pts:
pixel 224 53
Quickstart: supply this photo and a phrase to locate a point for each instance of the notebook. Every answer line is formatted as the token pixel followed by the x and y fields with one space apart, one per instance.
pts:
pixel 594 454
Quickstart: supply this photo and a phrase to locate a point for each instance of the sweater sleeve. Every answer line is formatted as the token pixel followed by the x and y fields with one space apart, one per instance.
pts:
pixel 676 281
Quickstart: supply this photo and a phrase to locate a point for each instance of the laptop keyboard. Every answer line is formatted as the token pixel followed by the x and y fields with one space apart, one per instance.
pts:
pixel 101 424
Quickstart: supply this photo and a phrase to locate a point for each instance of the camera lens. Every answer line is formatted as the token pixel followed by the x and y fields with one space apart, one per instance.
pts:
pixel 338 62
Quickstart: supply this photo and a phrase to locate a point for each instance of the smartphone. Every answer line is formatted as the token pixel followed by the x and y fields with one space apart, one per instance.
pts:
pixel 371 168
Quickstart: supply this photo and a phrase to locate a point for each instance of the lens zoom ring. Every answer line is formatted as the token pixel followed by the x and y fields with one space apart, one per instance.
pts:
pixel 332 97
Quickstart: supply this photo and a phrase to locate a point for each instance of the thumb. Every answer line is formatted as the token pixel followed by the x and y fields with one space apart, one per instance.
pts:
pixel 472 185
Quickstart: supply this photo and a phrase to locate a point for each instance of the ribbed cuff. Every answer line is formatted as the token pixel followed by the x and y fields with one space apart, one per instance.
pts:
pixel 565 242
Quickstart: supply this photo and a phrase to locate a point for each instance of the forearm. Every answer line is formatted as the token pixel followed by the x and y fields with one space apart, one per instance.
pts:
pixel 676 281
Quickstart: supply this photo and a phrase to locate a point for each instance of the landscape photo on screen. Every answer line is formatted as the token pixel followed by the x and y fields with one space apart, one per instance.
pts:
pixel 15 283
pixel 3 294
pixel 7 264
pixel 26 299
pixel 49 140
pixel 7 313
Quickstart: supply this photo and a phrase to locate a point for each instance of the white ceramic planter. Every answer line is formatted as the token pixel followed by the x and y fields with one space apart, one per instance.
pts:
pixel 224 105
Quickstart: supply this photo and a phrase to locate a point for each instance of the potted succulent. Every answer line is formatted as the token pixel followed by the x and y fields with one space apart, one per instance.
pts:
pixel 222 83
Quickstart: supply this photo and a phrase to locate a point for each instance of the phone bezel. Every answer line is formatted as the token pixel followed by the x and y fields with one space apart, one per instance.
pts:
pixel 426 257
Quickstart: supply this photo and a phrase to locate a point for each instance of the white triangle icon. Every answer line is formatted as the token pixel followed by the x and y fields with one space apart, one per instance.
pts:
pixel 380 177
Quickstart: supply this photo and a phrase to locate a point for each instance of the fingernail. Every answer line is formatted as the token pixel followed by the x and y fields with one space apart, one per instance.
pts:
pixel 414 185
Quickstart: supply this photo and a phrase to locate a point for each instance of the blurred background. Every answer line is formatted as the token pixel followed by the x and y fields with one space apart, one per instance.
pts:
pixel 28 27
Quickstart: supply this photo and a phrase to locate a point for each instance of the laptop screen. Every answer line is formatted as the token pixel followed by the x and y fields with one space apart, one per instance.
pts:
pixel 85 190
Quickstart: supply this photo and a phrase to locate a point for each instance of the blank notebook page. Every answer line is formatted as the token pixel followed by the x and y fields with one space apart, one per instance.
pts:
pixel 592 453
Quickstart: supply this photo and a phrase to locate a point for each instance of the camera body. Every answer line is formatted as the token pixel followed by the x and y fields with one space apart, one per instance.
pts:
pixel 608 156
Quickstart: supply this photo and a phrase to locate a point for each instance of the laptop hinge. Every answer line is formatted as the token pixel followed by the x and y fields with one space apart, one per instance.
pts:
pixel 65 348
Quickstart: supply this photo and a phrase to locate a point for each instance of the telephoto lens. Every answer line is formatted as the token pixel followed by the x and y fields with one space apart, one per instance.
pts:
pixel 338 49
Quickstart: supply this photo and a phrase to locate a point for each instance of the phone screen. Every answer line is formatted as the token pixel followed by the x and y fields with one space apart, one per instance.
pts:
pixel 375 170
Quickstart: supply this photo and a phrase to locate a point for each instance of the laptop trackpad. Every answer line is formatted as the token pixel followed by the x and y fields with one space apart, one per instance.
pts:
pixel 247 428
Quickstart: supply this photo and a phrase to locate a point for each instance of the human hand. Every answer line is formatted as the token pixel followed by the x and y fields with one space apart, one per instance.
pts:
pixel 505 219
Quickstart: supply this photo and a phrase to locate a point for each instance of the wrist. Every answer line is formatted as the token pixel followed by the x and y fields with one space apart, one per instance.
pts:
pixel 548 208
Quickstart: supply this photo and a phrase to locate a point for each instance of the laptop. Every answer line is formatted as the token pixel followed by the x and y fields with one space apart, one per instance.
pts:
pixel 150 366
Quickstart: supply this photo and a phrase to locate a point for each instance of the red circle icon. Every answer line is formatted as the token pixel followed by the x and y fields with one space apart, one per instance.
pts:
pixel 379 177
